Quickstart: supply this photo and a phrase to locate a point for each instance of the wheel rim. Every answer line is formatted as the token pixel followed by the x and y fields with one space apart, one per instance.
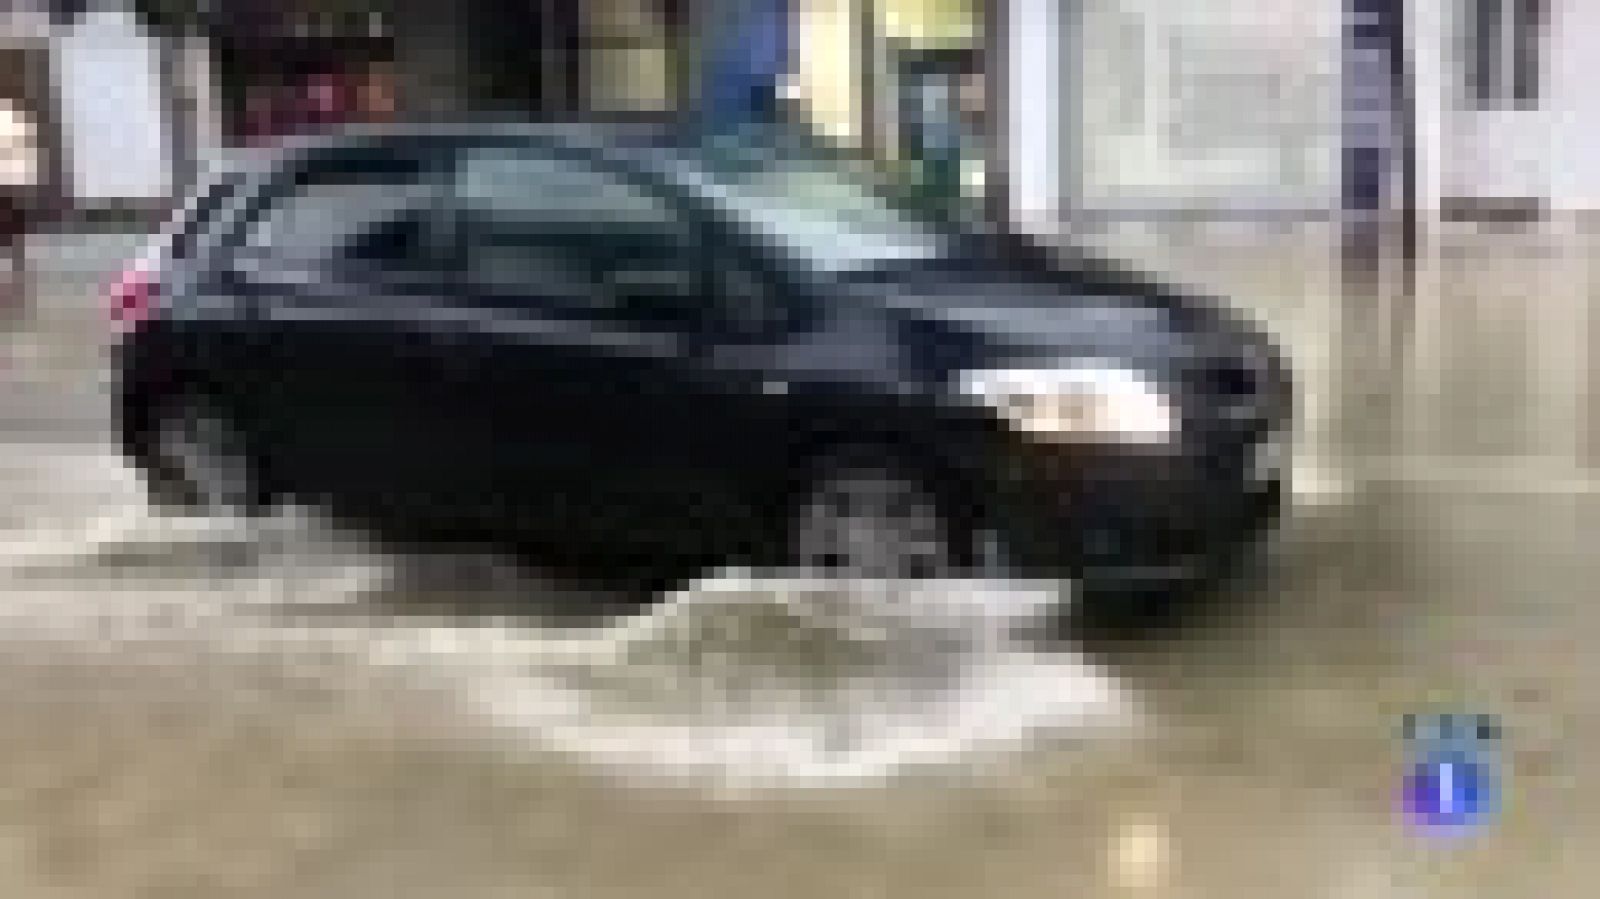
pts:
pixel 874 524
pixel 202 448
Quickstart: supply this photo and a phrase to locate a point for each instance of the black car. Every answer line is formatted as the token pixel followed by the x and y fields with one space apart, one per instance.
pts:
pixel 634 348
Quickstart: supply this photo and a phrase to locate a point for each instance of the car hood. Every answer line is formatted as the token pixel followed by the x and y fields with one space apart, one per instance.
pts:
pixel 989 318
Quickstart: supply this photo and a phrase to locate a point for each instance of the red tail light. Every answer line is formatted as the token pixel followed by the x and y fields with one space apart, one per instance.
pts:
pixel 132 297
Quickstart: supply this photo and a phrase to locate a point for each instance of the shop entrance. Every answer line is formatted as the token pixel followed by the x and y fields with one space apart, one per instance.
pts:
pixel 940 132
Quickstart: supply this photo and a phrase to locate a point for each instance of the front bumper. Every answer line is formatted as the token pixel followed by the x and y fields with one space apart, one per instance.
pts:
pixel 1127 516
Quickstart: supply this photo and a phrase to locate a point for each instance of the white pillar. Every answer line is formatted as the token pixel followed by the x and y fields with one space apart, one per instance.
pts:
pixel 113 114
pixel 1034 93
pixel 828 68
pixel 1431 27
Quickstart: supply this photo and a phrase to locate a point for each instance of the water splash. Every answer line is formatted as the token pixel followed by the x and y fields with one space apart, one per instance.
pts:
pixel 736 684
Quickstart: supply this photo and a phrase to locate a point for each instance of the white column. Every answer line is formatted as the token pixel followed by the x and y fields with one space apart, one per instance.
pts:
pixel 1034 95
pixel 113 116
pixel 1431 27
pixel 828 67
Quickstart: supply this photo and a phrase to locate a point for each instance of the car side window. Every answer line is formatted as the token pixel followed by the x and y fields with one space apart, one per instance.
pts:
pixel 376 211
pixel 562 233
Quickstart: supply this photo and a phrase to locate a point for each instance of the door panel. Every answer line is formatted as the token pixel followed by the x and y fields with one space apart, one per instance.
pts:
pixel 630 412
pixel 591 284
pixel 343 268
pixel 352 402
pixel 569 418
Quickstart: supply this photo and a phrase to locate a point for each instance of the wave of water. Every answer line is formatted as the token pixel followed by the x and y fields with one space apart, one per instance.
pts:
pixel 735 683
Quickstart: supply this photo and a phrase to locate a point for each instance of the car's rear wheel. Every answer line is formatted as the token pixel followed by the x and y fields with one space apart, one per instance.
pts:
pixel 200 459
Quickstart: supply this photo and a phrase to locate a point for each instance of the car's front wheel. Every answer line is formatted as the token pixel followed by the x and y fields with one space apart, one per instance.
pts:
pixel 873 517
pixel 891 546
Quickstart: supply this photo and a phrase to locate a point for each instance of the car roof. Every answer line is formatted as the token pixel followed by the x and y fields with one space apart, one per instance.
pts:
pixel 598 137
pixel 658 139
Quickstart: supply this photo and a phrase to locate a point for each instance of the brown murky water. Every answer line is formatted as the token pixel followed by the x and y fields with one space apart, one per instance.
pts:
pixel 192 710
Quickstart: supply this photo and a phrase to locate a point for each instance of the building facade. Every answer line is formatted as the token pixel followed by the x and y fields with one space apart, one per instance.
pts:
pixel 1061 113
pixel 1131 109
pixel 1135 109
pixel 87 93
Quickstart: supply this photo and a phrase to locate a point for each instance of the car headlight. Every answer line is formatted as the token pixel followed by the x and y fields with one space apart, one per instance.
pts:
pixel 1099 403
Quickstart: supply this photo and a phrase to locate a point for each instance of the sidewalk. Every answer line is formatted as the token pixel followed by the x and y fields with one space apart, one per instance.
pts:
pixel 69 273
pixel 52 351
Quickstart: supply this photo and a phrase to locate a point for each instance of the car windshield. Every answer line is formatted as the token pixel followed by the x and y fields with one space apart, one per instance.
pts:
pixel 821 205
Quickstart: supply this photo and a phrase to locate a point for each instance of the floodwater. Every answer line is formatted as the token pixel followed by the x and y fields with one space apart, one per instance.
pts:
pixel 199 708
pixel 180 689
pixel 733 684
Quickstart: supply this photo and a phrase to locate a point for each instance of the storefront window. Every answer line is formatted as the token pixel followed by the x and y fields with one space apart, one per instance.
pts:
pixel 1180 107
pixel 940 122
pixel 294 67
pixel 631 64
pixel 932 110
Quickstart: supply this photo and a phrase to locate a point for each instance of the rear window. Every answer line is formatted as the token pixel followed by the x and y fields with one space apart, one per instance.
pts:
pixel 334 209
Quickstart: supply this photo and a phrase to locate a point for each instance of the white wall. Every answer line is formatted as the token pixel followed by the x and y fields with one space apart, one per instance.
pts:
pixel 1118 134
pixel 1573 141
pixel 113 116
pixel 1432 56
pixel 1229 103
pixel 1552 152
pixel 1482 153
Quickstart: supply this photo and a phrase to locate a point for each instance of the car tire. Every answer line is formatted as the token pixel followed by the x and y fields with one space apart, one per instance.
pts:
pixel 866 514
pixel 200 461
